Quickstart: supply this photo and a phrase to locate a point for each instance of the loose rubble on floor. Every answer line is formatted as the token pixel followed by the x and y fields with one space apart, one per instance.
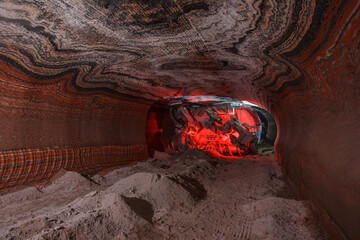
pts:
pixel 188 196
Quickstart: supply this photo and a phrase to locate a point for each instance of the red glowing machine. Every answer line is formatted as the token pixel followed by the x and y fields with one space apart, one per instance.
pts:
pixel 223 127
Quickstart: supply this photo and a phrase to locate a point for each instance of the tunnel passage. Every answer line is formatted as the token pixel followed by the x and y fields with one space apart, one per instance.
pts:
pixel 160 129
pixel 225 128
pixel 77 77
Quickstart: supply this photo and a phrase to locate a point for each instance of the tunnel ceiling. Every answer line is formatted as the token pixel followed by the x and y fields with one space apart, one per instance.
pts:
pixel 151 49
pixel 259 50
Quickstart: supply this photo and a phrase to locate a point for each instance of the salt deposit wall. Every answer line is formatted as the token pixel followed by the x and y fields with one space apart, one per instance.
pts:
pixel 77 78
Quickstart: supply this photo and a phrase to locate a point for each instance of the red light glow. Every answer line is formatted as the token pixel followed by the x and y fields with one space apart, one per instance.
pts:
pixel 218 140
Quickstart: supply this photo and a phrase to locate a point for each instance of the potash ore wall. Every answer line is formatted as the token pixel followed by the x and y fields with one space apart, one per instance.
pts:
pixel 80 73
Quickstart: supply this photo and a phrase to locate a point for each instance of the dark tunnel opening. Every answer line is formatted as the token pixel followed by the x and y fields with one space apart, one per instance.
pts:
pixel 159 127
pixel 225 128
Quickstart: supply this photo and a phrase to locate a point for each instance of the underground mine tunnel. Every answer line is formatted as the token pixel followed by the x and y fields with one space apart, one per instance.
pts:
pixel 179 119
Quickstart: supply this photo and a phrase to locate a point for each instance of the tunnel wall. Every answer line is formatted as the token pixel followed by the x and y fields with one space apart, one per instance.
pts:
pixel 21 167
pixel 159 128
pixel 47 123
pixel 319 120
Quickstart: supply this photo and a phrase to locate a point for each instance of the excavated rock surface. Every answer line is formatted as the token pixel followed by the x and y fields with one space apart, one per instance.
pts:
pixel 83 73
pixel 180 198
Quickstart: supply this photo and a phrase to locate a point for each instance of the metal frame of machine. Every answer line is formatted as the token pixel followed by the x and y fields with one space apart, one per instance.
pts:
pixel 223 127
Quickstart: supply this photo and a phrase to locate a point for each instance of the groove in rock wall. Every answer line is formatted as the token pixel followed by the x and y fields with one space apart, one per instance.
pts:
pixel 19 167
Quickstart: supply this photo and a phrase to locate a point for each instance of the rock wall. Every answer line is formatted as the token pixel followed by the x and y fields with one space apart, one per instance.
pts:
pixel 319 138
pixel 21 167
pixel 47 123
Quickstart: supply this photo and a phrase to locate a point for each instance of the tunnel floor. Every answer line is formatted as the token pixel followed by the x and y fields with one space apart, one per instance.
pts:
pixel 189 196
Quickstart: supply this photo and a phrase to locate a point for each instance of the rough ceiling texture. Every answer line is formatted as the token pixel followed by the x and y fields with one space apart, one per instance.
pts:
pixel 151 49
pixel 83 73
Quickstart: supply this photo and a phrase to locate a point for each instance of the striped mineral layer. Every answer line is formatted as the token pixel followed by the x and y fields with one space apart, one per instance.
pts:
pixel 76 73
